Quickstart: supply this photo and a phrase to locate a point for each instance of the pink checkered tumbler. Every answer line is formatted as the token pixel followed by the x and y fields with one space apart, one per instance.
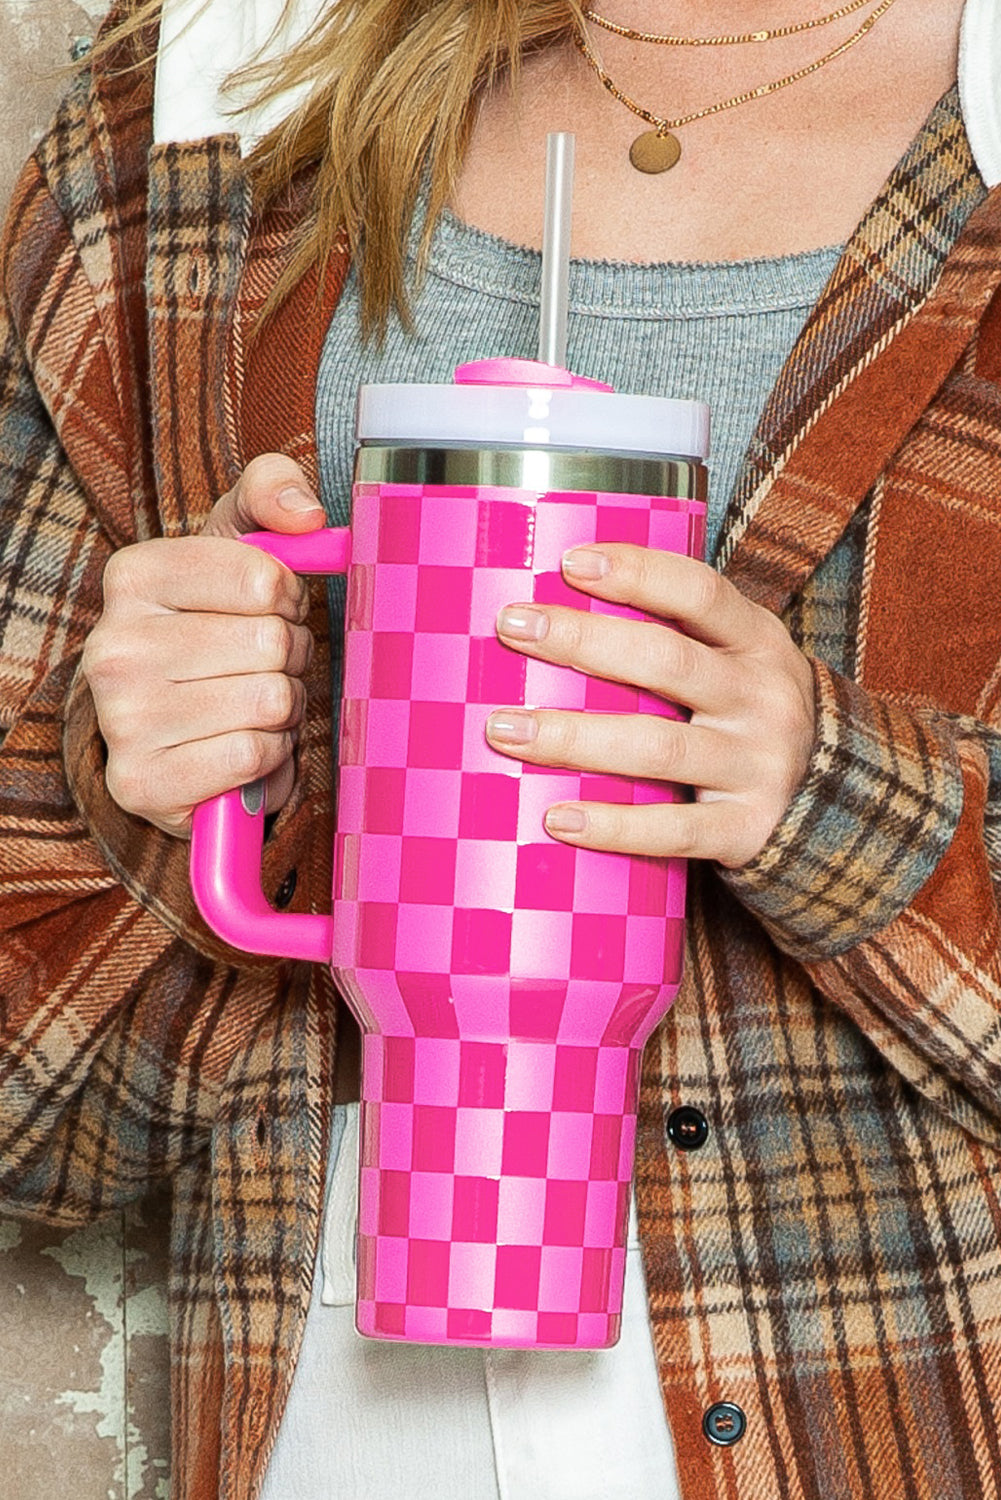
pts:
pixel 505 983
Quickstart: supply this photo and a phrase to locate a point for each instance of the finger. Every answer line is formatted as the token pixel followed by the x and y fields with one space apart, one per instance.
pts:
pixel 205 574
pixel 165 788
pixel 193 712
pixel 700 600
pixel 642 653
pixel 188 647
pixel 272 494
pixel 686 830
pixel 278 787
pixel 641 746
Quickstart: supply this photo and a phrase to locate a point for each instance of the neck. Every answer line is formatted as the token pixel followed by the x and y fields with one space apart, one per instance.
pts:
pixel 691 17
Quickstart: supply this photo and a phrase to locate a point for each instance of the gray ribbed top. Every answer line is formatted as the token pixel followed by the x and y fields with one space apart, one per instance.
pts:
pixel 714 332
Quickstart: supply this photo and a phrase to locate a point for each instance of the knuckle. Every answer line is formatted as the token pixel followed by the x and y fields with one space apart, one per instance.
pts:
pixel 573 629
pixel 304 647
pixel 642 564
pixel 562 734
pixel 95 657
pixel 663 746
pixel 274 642
pixel 654 570
pixel 686 830
pixel 279 786
pixel 276 701
pixel 787 716
pixel 118 724
pixel 629 562
pixel 106 661
pixel 707 587
pixel 674 654
pixel 260 581
pixel 773 629
pixel 609 823
pixel 127 781
pixel 746 836
pixel 133 574
pixel 251 754
pixel 120 573
pixel 784 712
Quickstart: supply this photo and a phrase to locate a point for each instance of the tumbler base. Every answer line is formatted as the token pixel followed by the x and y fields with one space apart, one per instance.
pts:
pixel 494 1190
pixel 497 1329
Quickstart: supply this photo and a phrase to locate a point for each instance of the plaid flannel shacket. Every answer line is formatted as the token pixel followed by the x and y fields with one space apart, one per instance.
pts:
pixel 831 1258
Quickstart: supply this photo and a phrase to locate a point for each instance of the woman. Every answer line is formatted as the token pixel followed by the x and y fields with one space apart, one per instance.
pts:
pixel 823 1270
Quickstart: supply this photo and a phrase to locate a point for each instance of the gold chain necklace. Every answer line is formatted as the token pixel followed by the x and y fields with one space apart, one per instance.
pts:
pixel 735 39
pixel 658 150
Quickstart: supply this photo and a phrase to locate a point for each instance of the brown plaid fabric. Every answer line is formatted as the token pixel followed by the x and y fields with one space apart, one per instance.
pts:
pixel 830 1259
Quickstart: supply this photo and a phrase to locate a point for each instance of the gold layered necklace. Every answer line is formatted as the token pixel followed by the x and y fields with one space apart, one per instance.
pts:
pixel 730 39
pixel 659 149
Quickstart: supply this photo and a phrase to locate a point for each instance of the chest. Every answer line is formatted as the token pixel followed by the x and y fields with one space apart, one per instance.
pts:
pixel 792 171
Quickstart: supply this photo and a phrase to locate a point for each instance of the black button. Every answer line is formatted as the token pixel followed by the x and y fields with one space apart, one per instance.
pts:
pixel 724 1424
pixel 285 892
pixel 688 1128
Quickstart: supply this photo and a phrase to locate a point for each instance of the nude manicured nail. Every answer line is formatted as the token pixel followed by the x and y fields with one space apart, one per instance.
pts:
pixel 585 562
pixel 512 728
pixel 295 498
pixel 523 624
pixel 566 820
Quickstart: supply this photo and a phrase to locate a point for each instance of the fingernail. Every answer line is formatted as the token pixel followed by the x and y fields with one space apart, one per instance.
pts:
pixel 523 624
pixel 566 820
pixel 586 562
pixel 295 498
pixel 512 728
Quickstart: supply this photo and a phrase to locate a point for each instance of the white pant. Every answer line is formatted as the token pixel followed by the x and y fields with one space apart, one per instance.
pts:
pixel 397 1421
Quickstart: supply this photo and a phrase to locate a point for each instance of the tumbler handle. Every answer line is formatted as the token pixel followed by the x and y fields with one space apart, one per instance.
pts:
pixel 227 832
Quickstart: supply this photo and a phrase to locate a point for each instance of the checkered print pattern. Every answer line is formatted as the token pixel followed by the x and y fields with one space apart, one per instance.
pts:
pixel 504 979
pixel 494 1190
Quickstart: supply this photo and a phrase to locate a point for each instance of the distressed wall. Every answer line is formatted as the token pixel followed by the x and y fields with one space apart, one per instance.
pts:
pixel 84 1404
pixel 36 39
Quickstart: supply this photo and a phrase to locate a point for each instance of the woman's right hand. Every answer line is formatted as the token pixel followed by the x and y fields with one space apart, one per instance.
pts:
pixel 196 663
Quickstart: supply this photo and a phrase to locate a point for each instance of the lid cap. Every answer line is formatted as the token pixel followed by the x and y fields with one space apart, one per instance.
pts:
pixel 520 403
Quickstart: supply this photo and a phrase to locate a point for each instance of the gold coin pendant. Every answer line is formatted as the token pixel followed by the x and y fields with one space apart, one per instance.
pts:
pixel 655 152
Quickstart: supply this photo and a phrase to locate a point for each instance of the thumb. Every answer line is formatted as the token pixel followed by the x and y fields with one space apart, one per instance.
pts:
pixel 272 494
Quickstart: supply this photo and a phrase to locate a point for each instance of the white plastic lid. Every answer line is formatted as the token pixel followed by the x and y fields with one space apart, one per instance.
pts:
pixel 532 415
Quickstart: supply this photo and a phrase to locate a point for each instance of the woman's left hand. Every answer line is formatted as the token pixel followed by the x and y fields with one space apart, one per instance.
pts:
pixel 748 742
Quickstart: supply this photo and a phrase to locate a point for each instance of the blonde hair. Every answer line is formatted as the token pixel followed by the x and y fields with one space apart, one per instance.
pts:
pixel 392 91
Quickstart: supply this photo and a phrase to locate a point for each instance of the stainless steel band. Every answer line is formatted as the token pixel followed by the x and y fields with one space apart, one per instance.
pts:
pixel 532 469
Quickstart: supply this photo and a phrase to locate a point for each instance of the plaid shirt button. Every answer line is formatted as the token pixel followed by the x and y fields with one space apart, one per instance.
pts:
pixel 687 1128
pixel 724 1424
pixel 285 892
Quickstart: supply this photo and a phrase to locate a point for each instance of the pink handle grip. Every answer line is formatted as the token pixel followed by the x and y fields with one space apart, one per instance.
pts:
pixel 227 832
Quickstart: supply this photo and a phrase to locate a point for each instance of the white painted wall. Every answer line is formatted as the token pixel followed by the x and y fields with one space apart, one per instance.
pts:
pixel 84 1398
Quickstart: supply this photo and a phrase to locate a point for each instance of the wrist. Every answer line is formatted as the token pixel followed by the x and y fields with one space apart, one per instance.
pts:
pixel 879 803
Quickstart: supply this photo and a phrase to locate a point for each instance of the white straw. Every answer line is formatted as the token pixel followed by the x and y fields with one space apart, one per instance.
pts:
pixel 556 248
